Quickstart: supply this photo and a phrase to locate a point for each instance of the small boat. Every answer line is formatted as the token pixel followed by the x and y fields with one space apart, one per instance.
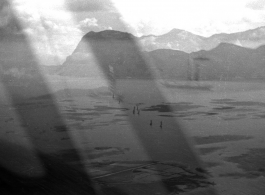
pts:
pixel 190 86
pixel 193 79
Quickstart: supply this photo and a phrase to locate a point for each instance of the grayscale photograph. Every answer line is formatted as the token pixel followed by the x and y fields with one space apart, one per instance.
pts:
pixel 140 97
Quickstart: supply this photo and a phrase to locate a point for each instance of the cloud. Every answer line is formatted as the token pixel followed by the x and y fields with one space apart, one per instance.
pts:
pixel 256 5
pixel 42 25
pixel 51 27
pixel 50 37
pixel 89 5
pixel 92 24
pixel 88 22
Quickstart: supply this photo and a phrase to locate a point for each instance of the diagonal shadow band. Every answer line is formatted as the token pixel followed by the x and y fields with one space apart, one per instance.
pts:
pixel 22 78
pixel 113 51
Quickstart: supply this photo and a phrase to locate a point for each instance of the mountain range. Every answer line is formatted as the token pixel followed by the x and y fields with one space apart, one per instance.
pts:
pixel 120 53
pixel 225 62
pixel 186 41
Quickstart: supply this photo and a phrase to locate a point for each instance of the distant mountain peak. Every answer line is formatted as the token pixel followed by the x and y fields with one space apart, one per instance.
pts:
pixel 175 30
pixel 229 46
pixel 186 41
pixel 183 34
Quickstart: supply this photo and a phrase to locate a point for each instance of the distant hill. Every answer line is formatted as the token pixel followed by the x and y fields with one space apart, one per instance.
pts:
pixel 226 62
pixel 188 42
pixel 175 39
pixel 170 63
pixel 107 49
pixel 119 50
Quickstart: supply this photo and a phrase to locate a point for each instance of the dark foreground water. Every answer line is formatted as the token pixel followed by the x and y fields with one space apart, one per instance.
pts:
pixel 149 133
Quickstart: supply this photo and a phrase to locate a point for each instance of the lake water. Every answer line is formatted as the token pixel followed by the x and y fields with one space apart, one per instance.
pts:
pixel 221 129
pixel 224 122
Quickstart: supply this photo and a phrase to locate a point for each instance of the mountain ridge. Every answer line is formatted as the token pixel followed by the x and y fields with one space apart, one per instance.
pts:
pixel 120 51
pixel 189 42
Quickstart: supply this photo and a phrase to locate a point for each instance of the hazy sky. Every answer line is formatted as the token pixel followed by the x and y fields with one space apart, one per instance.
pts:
pixel 203 17
pixel 56 26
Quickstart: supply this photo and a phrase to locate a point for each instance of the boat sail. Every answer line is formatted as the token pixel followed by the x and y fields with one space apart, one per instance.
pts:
pixel 189 69
pixel 116 94
pixel 112 81
pixel 193 70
